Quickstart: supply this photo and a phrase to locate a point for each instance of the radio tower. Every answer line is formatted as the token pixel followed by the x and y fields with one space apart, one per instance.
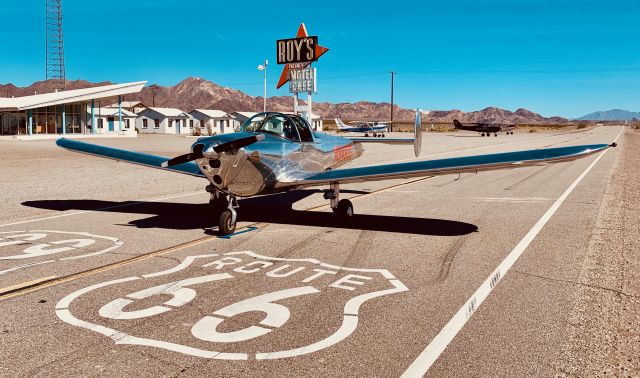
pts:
pixel 54 44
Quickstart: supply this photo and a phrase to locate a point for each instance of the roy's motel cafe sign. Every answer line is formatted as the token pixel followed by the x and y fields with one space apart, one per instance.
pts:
pixel 297 54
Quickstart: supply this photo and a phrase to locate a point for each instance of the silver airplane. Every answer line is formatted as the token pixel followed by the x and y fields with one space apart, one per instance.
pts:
pixel 275 152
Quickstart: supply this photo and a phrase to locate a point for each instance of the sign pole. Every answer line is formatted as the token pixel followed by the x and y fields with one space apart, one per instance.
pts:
pixel 309 103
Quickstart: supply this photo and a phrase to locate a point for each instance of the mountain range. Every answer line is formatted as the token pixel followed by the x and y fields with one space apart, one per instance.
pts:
pixel 611 115
pixel 193 93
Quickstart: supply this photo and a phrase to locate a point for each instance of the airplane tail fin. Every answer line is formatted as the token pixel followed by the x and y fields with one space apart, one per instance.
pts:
pixel 456 123
pixel 340 124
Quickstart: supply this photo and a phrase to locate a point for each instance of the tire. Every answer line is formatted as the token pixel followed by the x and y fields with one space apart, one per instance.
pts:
pixel 344 209
pixel 383 135
pixel 366 135
pixel 225 227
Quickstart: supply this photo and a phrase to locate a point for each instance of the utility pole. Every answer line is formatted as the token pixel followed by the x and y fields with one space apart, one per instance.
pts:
pixel 391 124
pixel 154 92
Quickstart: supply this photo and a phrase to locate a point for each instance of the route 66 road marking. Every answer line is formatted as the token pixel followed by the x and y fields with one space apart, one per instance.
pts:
pixel 294 281
pixel 47 243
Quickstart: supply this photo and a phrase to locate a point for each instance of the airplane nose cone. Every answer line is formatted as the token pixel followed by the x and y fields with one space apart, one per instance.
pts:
pixel 209 151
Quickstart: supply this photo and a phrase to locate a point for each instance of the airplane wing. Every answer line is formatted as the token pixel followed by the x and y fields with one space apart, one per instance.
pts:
pixel 139 158
pixel 381 140
pixel 478 163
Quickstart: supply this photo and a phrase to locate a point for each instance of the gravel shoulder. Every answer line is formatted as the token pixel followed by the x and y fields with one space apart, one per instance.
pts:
pixel 605 321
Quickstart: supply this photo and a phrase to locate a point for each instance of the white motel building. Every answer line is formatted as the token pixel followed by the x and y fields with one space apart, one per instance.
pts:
pixel 70 113
pixel 165 121
pixel 212 122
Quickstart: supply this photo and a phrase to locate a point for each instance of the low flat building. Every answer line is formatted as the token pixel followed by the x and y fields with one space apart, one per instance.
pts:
pixel 212 122
pixel 61 113
pixel 107 120
pixel 165 121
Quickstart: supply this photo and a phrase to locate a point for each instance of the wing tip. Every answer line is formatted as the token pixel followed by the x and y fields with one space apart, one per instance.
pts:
pixel 165 164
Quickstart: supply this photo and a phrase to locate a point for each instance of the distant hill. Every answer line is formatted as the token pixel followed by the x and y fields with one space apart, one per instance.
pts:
pixel 193 93
pixel 611 115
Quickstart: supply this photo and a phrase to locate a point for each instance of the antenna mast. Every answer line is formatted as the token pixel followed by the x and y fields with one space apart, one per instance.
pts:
pixel 54 44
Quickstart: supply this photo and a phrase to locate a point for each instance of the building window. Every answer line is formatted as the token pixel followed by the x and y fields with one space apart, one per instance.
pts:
pixel 100 123
pixel 169 123
pixel 126 123
pixel 156 123
pixel 191 124
pixel 144 123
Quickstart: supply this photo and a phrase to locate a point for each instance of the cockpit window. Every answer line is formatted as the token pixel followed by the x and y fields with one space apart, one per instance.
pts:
pixel 277 124
pixel 253 123
pixel 303 129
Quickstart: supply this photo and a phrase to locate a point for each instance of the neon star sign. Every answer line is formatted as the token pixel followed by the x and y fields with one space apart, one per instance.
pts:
pixel 297 53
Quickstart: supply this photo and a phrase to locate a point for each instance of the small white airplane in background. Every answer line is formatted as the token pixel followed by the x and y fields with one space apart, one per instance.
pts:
pixel 376 128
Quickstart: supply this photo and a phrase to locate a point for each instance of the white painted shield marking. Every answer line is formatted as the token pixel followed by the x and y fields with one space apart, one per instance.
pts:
pixel 276 306
pixel 77 242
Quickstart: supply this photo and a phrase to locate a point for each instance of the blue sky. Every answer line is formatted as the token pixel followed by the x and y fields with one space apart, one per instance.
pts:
pixel 562 57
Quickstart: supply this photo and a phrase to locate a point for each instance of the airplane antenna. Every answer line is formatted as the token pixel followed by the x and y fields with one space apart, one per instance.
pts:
pixel 54 45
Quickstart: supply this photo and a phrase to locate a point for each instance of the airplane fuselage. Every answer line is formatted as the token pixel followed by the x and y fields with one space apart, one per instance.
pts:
pixel 272 164
pixel 365 129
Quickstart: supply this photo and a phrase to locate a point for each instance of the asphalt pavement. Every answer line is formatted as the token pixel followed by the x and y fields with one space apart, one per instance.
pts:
pixel 114 269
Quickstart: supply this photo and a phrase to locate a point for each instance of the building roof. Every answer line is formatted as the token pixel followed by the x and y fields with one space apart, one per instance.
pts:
pixel 126 104
pixel 212 113
pixel 110 112
pixel 171 112
pixel 65 97
pixel 246 114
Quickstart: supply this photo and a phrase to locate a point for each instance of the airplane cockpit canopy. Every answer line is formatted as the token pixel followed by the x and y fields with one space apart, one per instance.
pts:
pixel 291 127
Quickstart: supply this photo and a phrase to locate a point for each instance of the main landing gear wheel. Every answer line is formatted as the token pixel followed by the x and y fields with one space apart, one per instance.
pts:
pixel 344 209
pixel 226 223
pixel 495 135
pixel 482 134
pixel 366 135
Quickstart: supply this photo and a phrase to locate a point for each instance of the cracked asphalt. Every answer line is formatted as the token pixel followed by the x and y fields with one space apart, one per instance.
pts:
pixel 114 269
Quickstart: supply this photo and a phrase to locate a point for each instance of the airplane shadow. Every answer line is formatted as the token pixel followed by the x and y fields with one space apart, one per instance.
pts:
pixel 274 209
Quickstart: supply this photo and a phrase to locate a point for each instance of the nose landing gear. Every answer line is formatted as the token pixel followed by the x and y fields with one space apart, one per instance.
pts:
pixel 225 206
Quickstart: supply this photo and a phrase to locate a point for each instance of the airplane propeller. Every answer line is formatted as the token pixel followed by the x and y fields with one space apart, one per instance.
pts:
pixel 238 143
pixel 196 154
pixel 199 150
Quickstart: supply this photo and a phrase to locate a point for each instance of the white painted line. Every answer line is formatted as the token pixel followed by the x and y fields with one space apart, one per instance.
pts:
pixel 430 354
pixel 100 209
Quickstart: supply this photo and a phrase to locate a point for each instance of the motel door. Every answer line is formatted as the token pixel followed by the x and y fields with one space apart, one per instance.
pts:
pixel 178 126
pixel 111 122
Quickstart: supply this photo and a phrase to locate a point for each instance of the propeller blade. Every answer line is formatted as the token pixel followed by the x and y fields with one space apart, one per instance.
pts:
pixel 238 143
pixel 196 154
